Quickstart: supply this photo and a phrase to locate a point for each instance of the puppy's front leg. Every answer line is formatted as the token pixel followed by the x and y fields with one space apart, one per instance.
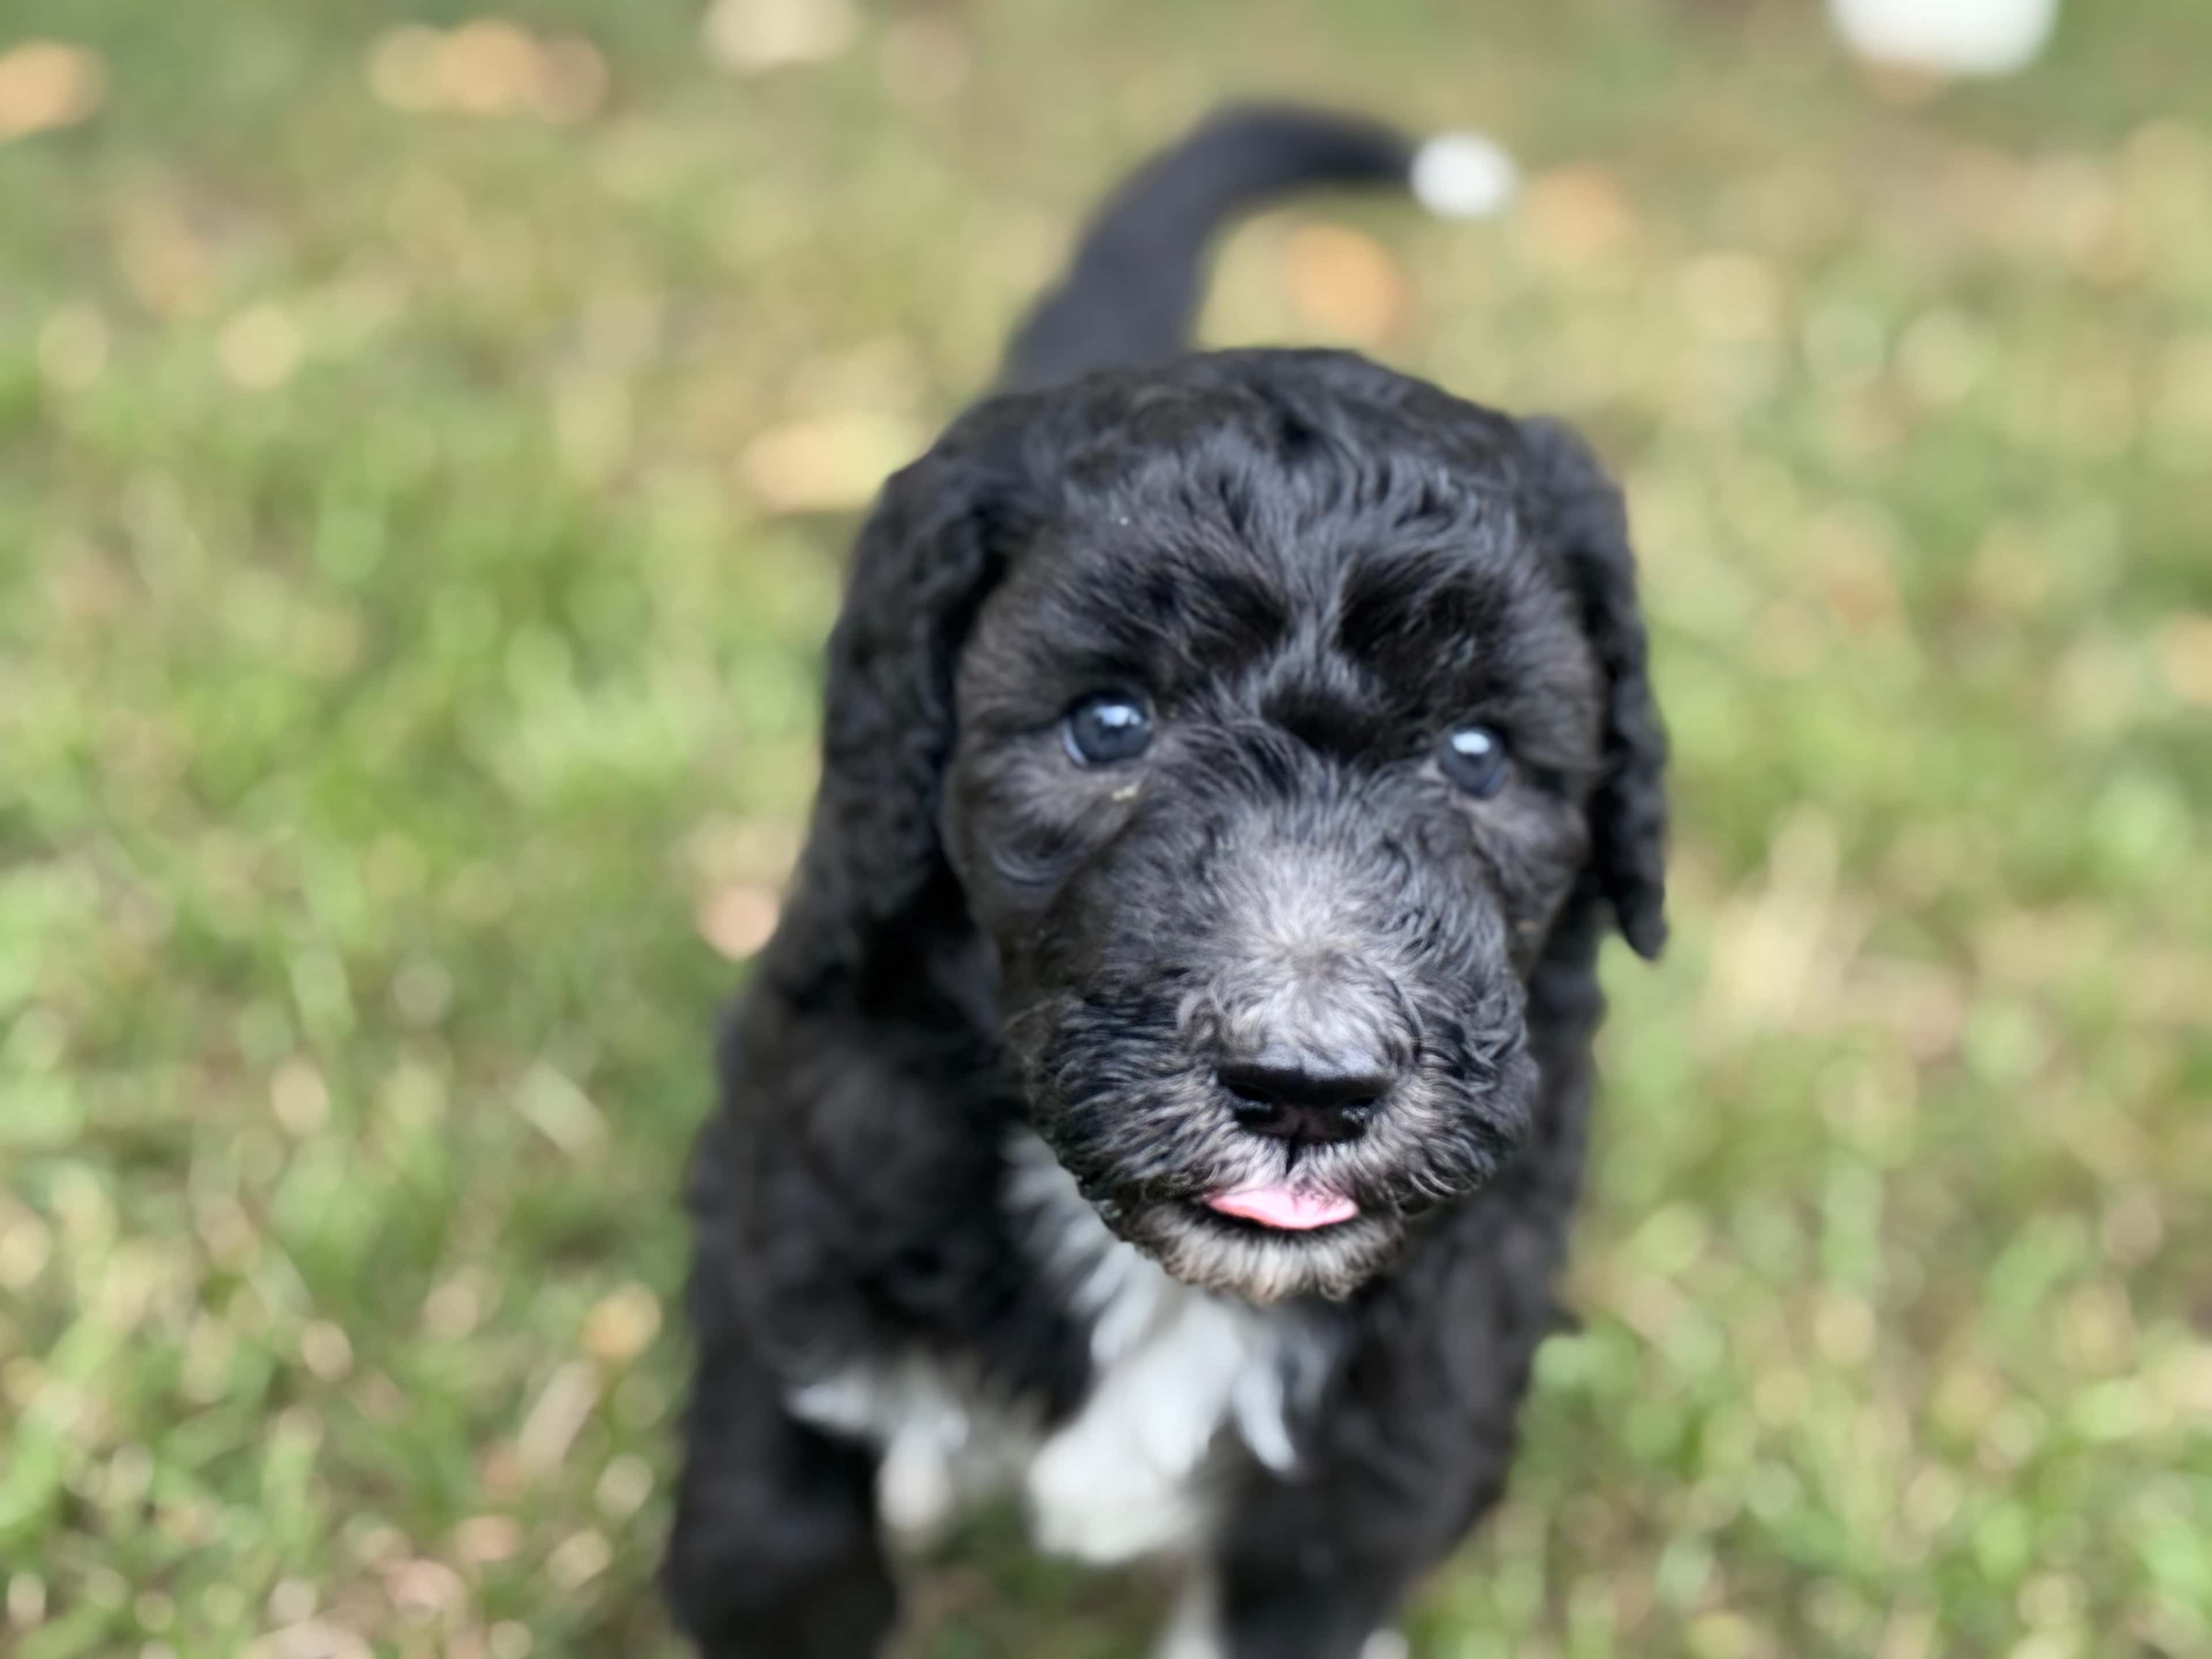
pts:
pixel 1398 1462
pixel 1195 1630
pixel 774 1553
pixel 1320 1609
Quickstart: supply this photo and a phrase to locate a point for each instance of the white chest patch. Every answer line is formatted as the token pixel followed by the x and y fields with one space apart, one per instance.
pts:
pixel 1128 1475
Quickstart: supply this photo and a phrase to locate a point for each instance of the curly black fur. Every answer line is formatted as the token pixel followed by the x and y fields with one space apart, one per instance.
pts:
pixel 1312 567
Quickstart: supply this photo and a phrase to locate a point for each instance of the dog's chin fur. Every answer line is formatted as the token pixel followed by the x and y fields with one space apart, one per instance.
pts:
pixel 1161 1208
pixel 1260 1266
pixel 1419 1156
pixel 1147 1164
pixel 1117 1093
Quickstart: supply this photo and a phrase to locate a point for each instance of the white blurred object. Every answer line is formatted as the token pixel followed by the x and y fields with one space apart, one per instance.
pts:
pixel 1464 175
pixel 750 36
pixel 1948 37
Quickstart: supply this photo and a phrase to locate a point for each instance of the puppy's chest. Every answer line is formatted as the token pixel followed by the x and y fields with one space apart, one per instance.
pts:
pixel 1176 1375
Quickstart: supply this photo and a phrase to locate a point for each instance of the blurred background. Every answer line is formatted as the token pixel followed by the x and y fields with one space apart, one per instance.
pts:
pixel 429 445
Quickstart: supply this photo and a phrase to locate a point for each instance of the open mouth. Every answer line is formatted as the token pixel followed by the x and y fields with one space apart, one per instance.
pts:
pixel 1281 1207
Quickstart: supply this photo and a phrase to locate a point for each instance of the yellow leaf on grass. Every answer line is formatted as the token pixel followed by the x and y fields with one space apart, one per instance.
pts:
pixel 826 465
pixel 2185 656
pixel 1577 215
pixel 46 85
pixel 486 1538
pixel 621 1324
pixel 487 67
pixel 259 348
pixel 1345 282
pixel 557 1417
pixel 738 920
pixel 753 35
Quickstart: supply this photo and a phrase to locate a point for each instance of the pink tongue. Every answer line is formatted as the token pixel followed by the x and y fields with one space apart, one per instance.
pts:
pixel 1279 1205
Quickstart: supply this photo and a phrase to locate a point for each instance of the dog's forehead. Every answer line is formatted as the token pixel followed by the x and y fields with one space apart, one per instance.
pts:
pixel 1179 570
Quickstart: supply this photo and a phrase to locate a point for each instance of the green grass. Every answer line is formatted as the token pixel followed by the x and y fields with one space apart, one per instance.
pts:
pixel 399 657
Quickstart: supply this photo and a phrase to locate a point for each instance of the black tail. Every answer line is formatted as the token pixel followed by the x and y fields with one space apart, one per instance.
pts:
pixel 1132 293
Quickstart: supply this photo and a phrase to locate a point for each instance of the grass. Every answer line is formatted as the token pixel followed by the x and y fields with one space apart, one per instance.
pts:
pixel 417 531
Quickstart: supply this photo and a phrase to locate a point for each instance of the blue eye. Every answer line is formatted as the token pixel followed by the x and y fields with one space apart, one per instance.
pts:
pixel 1474 757
pixel 1105 728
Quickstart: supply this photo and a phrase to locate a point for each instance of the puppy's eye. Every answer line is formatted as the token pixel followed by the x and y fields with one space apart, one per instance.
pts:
pixel 1106 727
pixel 1474 757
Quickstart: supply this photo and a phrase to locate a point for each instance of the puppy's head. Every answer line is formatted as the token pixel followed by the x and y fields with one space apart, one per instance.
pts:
pixel 1268 711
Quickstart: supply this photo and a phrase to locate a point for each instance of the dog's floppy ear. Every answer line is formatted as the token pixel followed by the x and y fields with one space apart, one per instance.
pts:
pixel 931 551
pixel 1588 525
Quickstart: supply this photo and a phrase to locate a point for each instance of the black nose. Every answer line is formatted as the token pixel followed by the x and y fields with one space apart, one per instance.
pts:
pixel 1304 1096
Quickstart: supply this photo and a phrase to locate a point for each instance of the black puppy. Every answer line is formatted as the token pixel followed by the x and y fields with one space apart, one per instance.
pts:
pixel 1166 1091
